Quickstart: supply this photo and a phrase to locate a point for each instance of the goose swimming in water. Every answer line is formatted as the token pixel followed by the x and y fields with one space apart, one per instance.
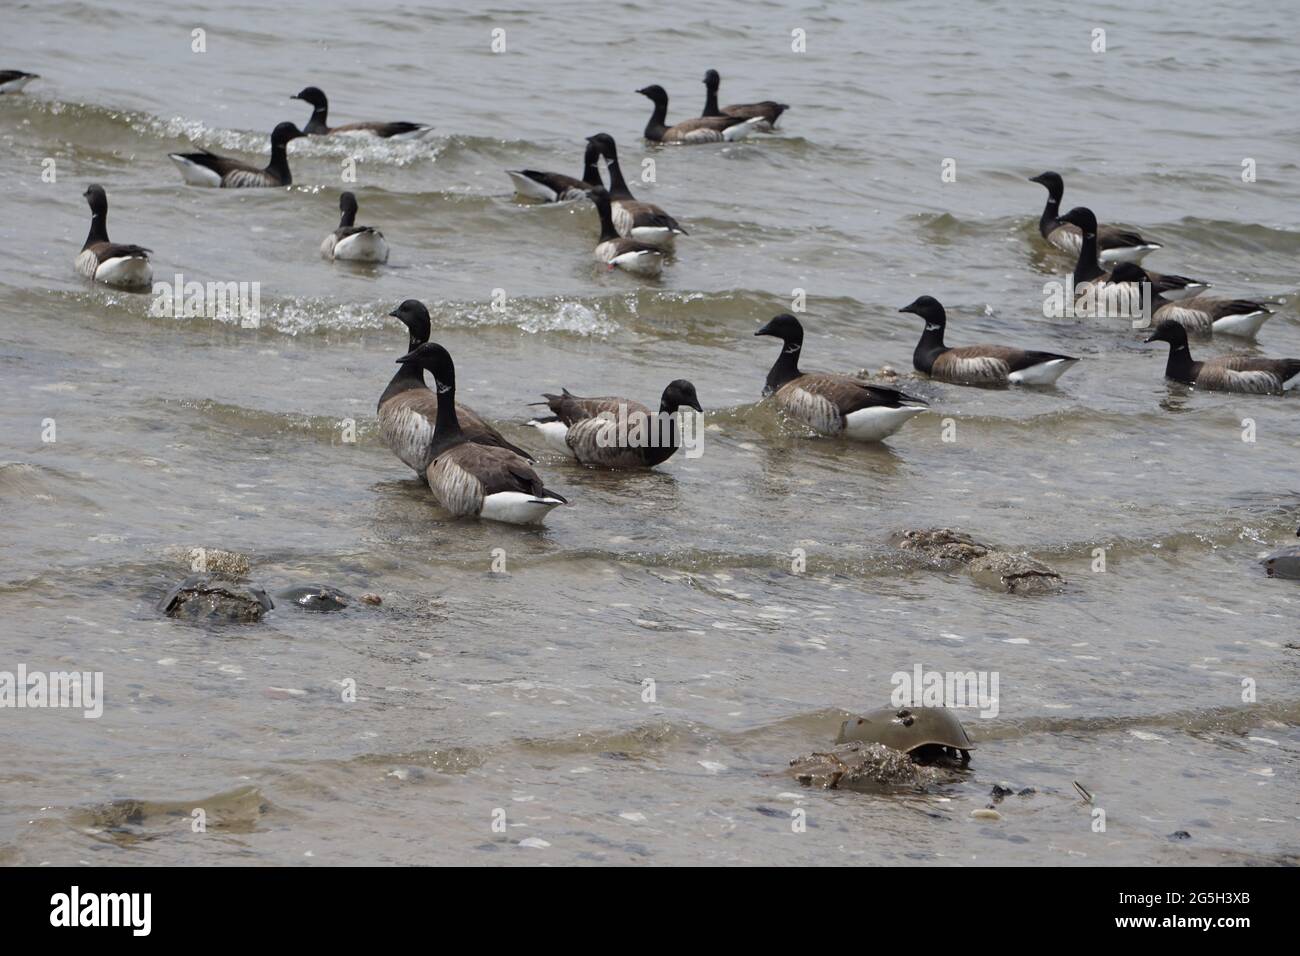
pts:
pixel 208 169
pixel 631 255
pixel 837 405
pixel 1201 314
pixel 978 364
pixel 1087 271
pixel 1224 373
pixel 353 243
pixel 408 409
pixel 589 431
pixel 123 266
pixel 12 81
pixel 469 479
pixel 557 187
pixel 704 129
pixel 1113 244
pixel 767 111
pixel 318 124
pixel 634 220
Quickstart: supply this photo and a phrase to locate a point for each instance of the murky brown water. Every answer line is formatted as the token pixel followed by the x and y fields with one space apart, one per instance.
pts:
pixel 522 691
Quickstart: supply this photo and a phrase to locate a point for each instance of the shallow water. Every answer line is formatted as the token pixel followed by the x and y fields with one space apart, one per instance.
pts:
pixel 522 691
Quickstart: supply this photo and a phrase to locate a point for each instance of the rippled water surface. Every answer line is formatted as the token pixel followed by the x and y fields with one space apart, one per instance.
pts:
pixel 523 691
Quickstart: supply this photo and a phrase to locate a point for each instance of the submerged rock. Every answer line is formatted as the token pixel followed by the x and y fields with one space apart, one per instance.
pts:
pixel 316 597
pixel 1015 574
pixel 201 597
pixel 1002 570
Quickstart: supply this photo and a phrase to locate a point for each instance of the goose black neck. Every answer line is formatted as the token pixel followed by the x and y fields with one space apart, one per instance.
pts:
pixel 279 164
pixel 98 229
pixel 1180 366
pixel 617 184
pixel 317 123
pixel 661 452
pixel 348 220
pixel 786 367
pixel 654 130
pixel 607 230
pixel 1087 269
pixel 711 102
pixel 446 430
pixel 929 348
pixel 591 170
pixel 1051 212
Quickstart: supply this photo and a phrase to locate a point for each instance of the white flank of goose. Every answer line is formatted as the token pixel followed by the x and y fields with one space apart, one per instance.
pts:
pixel 837 405
pixel 209 169
pixel 979 364
pixel 351 242
pixel 318 125
pixel 473 480
pixel 704 129
pixel 123 266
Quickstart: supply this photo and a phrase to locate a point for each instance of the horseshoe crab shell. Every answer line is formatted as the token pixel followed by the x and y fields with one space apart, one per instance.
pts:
pixel 909 729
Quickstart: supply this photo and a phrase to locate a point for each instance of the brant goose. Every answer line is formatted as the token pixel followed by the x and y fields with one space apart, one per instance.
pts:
pixel 467 478
pixel 767 111
pixel 351 242
pixel 832 404
pixel 317 125
pixel 208 169
pixel 408 410
pixel 557 187
pixel 1087 271
pixel 112 263
pixel 632 255
pixel 1202 314
pixel 1113 244
pixel 588 429
pixel 634 220
pixel 705 129
pixel 978 364
pixel 12 81
pixel 1223 373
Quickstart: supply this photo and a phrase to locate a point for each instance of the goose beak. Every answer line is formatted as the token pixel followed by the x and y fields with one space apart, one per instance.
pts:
pixel 1151 339
pixel 696 405
pixel 909 308
pixel 1036 179
pixel 394 314
pixel 408 357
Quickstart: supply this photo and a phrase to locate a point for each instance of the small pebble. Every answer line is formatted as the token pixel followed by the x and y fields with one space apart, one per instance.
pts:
pixel 372 599
pixel 986 813
pixel 1180 835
